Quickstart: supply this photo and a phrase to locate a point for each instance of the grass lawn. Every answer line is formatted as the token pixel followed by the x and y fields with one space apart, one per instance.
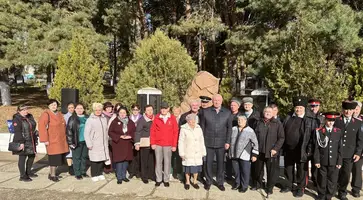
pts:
pixel 36 98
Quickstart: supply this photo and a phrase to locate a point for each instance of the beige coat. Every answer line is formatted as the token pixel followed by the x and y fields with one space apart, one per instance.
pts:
pixel 96 137
pixel 191 145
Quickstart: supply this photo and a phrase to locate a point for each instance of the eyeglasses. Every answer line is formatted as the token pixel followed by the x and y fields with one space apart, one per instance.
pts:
pixel 135 110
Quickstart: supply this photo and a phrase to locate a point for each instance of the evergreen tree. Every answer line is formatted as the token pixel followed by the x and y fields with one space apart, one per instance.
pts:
pixel 158 62
pixel 78 69
pixel 305 70
pixel 356 78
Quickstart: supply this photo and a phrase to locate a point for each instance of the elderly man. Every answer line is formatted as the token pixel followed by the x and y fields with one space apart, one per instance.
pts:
pixel 352 148
pixel 194 109
pixel 217 128
pixel 357 166
pixel 235 104
pixel 298 127
pixel 163 139
pixel 252 114
pixel 270 137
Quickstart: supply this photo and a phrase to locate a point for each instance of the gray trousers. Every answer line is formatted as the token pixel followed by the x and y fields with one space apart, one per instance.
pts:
pixel 163 154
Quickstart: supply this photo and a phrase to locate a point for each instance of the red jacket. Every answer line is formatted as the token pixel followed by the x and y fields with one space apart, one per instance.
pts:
pixel 164 134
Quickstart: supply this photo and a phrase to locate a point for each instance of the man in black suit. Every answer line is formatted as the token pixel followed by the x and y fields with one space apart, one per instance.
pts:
pixel 352 146
pixel 216 124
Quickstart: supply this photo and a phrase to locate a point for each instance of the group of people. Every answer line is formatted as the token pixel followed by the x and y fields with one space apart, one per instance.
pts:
pixel 245 144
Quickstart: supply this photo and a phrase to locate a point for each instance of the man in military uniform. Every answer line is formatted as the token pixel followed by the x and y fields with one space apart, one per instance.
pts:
pixel 205 101
pixel 352 145
pixel 357 166
pixel 315 108
pixel 298 127
pixel 327 156
pixel 204 104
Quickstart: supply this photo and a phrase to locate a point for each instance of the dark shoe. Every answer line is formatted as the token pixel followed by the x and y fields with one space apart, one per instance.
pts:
pixel 145 181
pixel 54 179
pixel 269 191
pixel 356 194
pixel 33 175
pixel 79 177
pixel 241 190
pixel 157 184
pixel 71 170
pixel 299 193
pixel 85 176
pixel 285 190
pixel 166 184
pixel 343 198
pixel 236 187
pixel 207 187
pixel 126 180
pixel 196 186
pixel 25 179
pixel 253 188
pixel 119 182
pixel 131 176
pixel 186 186
pixel 221 188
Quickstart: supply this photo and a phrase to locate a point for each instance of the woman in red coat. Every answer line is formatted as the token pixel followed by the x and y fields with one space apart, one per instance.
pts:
pixel 122 132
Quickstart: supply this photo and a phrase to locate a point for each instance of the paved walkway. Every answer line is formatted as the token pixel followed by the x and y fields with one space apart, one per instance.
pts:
pixel 70 188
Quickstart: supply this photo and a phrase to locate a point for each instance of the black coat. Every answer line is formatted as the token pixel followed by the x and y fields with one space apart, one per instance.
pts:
pixel 331 155
pixel 309 124
pixel 352 137
pixel 253 118
pixel 217 128
pixel 25 133
pixel 183 120
pixel 143 128
pixel 72 131
pixel 274 136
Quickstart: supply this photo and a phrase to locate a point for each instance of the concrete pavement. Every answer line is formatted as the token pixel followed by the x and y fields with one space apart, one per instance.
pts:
pixel 70 188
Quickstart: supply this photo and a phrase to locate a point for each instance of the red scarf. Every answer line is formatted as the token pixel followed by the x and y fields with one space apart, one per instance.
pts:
pixel 266 120
pixel 151 117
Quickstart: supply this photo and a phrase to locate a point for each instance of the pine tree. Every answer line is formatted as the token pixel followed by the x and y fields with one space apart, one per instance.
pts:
pixel 355 78
pixel 158 62
pixel 78 69
pixel 305 70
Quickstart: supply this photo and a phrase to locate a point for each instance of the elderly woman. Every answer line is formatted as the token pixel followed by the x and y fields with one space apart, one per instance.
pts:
pixel 142 144
pixel 122 131
pixel 75 139
pixel 96 137
pixel 134 167
pixel 191 150
pixel 52 132
pixel 25 134
pixel 244 148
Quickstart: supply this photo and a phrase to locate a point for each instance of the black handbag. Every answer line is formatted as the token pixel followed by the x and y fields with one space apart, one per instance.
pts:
pixel 13 146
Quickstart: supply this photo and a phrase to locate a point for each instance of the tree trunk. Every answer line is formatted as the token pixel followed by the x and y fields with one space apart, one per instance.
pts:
pixel 141 15
pixel 188 10
pixel 200 53
pixel 5 94
pixel 114 80
pixel 243 78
